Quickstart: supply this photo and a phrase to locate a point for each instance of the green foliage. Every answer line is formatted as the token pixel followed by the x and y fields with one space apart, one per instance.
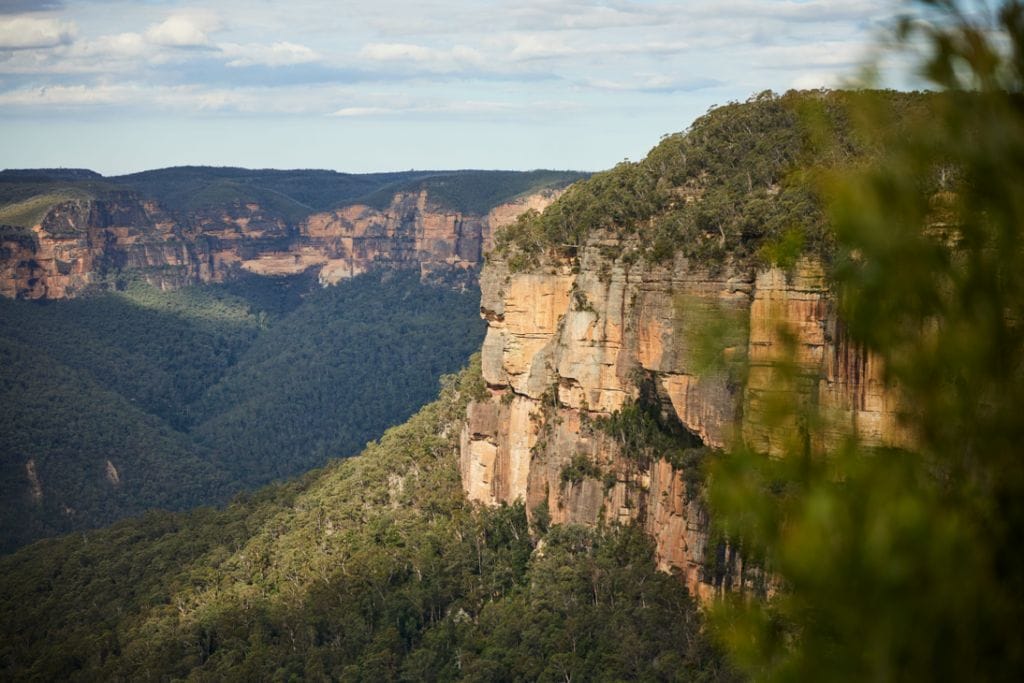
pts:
pixel 26 195
pixel 374 568
pixel 593 610
pixel 351 361
pixel 578 469
pixel 296 194
pixel 31 211
pixel 196 393
pixel 62 426
pixel 643 436
pixel 738 184
pixel 908 566
pixel 21 236
pixel 292 194
pixel 158 349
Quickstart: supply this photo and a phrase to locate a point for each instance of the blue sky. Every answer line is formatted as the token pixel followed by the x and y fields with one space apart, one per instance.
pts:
pixel 122 86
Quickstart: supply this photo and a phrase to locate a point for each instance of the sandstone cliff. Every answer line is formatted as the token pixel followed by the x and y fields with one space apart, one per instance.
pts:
pixel 78 241
pixel 584 335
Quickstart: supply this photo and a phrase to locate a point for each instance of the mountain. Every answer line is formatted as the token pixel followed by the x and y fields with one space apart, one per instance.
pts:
pixel 66 230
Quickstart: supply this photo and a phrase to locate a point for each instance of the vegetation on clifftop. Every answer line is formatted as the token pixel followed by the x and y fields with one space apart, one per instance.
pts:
pixel 739 182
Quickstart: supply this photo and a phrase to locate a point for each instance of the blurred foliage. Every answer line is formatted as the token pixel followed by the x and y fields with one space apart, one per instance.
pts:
pixel 909 565
pixel 738 184
pixel 196 393
pixel 373 569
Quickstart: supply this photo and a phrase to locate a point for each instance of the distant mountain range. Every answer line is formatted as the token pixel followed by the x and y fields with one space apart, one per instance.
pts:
pixel 66 229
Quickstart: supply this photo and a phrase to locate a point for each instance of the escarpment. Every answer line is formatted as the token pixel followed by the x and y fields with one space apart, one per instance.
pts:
pixel 586 352
pixel 80 241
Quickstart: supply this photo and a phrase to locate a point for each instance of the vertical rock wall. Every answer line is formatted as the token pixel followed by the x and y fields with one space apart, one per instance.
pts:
pixel 77 241
pixel 576 339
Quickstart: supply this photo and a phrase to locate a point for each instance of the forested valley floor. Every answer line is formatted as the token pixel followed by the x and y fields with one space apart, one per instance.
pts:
pixel 133 398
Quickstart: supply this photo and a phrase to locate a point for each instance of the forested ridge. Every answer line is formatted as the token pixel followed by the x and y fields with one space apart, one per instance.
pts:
pixel 375 568
pixel 743 182
pixel 26 194
pixel 133 398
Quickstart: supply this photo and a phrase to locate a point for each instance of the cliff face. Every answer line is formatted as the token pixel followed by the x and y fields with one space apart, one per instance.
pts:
pixel 569 343
pixel 77 241
pixel 410 233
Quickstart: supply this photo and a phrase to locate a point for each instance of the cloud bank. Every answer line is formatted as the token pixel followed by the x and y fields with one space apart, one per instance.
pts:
pixel 595 65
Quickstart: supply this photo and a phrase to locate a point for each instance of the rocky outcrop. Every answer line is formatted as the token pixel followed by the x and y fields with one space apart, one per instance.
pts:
pixel 716 351
pixel 410 233
pixel 79 241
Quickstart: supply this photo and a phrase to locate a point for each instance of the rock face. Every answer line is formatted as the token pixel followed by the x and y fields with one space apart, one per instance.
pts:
pixel 78 241
pixel 583 336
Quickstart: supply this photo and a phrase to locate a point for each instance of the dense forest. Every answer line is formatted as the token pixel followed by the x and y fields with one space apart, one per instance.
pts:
pixel 742 182
pixel 132 397
pixel 374 568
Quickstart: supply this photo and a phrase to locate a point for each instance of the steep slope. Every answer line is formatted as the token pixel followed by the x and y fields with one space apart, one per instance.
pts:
pixel 122 401
pixel 348 363
pixel 373 569
pixel 159 350
pixel 642 321
pixel 76 454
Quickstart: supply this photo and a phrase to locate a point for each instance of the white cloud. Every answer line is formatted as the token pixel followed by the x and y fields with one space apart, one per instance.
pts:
pixel 583 15
pixel 277 54
pixel 805 10
pixel 25 32
pixel 454 58
pixel 119 45
pixel 653 83
pixel 821 54
pixel 455 107
pixel 813 81
pixel 66 95
pixel 186 98
pixel 183 30
pixel 351 112
pixel 531 46
pixel 534 46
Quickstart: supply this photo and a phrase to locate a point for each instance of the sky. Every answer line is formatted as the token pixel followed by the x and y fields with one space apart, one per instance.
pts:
pixel 121 86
